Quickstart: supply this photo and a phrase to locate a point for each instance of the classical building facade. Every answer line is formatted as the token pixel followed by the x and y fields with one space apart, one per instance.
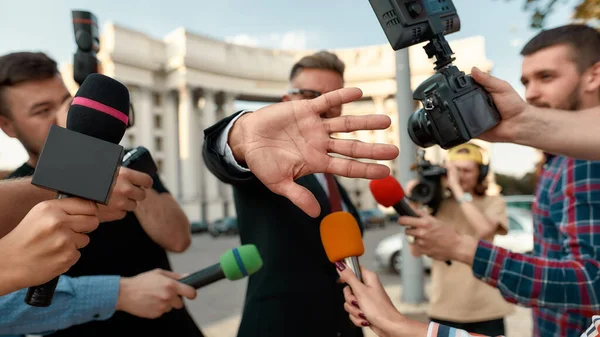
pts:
pixel 185 82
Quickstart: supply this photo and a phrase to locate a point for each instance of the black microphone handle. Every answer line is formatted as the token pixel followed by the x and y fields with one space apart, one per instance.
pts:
pixel 404 209
pixel 41 296
pixel 205 276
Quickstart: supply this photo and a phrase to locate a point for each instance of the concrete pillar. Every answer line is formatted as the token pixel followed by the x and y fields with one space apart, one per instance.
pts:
pixel 189 154
pixel 412 268
pixel 212 205
pixel 171 144
pixel 226 189
pixel 143 118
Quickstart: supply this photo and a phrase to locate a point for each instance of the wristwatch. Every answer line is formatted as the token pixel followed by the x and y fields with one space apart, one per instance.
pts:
pixel 465 197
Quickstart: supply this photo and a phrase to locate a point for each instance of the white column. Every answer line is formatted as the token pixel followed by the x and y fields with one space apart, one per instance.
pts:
pixel 212 201
pixel 226 189
pixel 143 118
pixel 188 146
pixel 171 145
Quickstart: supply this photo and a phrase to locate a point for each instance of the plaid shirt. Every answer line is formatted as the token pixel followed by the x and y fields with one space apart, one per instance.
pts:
pixel 561 281
pixel 438 330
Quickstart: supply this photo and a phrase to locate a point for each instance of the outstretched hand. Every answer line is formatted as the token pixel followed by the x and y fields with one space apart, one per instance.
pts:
pixel 283 142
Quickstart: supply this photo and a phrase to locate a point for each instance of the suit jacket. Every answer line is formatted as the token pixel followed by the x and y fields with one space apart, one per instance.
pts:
pixel 296 292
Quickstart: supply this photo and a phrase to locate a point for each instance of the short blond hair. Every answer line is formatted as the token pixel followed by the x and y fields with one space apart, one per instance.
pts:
pixel 321 60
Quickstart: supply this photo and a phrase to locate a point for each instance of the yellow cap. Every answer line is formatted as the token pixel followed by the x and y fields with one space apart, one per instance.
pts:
pixel 465 151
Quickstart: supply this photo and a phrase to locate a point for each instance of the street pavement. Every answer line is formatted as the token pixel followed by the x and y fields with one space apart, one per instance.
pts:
pixel 218 306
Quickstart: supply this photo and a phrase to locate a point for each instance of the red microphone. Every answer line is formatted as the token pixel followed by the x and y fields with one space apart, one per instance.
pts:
pixel 389 193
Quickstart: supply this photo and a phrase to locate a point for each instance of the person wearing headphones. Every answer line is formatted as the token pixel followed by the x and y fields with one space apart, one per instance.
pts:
pixel 457 298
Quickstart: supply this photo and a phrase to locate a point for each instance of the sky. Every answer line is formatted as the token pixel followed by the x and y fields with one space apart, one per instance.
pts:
pixel 45 25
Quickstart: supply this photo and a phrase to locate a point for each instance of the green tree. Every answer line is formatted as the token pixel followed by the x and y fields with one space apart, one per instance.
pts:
pixel 583 10
pixel 512 185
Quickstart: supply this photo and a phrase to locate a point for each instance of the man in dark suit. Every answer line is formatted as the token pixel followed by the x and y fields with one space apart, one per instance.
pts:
pixel 296 293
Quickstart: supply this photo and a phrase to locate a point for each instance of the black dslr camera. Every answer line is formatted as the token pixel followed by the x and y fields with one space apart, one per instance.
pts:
pixel 429 189
pixel 455 107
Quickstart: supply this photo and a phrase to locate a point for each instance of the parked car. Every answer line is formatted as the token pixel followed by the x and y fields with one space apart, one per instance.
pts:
pixel 198 227
pixel 372 217
pixel 519 201
pixel 519 239
pixel 226 226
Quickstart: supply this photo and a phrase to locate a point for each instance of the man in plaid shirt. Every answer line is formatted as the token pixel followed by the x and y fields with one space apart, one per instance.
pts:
pixel 561 281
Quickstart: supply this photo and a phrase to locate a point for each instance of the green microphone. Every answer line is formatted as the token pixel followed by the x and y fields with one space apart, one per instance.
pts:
pixel 233 265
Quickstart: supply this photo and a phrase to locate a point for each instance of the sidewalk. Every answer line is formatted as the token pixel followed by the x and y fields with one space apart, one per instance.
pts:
pixel 518 324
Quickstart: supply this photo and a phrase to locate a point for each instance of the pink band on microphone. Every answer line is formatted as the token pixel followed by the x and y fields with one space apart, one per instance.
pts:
pixel 101 107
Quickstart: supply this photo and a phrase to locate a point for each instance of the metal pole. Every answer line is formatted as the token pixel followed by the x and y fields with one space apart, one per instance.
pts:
pixel 412 268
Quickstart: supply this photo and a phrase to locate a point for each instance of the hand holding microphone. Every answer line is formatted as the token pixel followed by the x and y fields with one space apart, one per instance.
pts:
pixel 234 264
pixel 153 293
pixel 46 242
pixel 389 193
pixel 83 159
pixel 368 304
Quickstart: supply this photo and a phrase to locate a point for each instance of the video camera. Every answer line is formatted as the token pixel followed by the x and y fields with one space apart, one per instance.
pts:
pixel 85 60
pixel 455 107
pixel 429 189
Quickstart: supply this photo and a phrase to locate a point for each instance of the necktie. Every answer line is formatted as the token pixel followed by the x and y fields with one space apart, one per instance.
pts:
pixel 334 193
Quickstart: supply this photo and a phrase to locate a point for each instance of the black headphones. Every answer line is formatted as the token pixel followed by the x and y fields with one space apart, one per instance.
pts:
pixel 484 169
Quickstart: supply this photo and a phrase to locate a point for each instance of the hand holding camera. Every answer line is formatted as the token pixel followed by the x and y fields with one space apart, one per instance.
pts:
pixel 455 108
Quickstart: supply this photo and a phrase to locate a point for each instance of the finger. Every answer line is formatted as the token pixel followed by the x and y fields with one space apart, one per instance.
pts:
pixel 356 123
pixel 415 233
pixel 347 275
pixel 186 291
pixel 349 296
pixel 358 321
pixel 137 178
pixel 133 192
pixel 358 149
pixel 411 221
pixel 169 274
pixel 354 169
pixel 77 206
pixel 127 205
pixel 83 223
pixel 299 196
pixel 176 302
pixel 352 310
pixel 370 279
pixel 490 83
pixel 333 99
pixel 80 240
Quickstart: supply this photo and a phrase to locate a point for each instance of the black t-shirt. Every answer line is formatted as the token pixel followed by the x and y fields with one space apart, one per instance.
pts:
pixel 123 248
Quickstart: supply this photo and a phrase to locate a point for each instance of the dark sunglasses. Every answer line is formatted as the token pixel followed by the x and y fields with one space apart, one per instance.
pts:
pixel 306 93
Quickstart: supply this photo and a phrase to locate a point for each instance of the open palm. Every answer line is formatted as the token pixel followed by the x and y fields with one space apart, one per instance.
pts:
pixel 285 141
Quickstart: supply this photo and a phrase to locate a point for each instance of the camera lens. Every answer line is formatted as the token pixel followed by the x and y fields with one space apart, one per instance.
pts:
pixel 422 192
pixel 418 129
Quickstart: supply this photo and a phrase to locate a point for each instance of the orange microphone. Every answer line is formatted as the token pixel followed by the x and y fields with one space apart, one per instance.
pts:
pixel 341 239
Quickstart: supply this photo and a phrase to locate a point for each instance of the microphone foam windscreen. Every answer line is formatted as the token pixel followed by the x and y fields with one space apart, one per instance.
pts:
pixel 341 237
pixel 387 191
pixel 100 109
pixel 240 262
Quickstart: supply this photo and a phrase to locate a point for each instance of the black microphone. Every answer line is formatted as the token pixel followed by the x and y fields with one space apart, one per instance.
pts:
pixel 234 264
pixel 83 160
pixel 389 193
